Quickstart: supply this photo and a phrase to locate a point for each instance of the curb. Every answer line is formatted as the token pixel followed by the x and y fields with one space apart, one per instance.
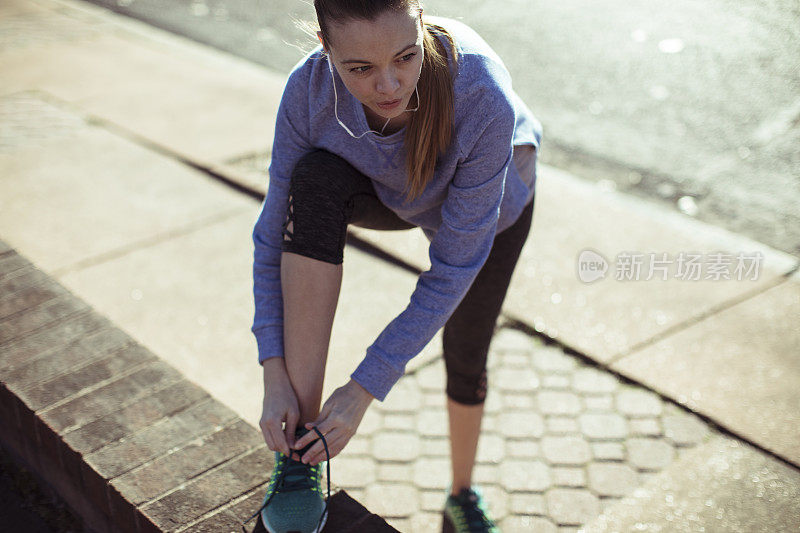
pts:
pixel 123 437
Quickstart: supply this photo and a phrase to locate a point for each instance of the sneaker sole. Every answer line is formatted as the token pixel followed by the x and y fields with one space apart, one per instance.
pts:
pixel 447 525
pixel 321 526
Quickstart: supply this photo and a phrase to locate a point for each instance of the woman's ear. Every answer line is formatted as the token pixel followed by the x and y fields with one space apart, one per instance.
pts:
pixel 321 41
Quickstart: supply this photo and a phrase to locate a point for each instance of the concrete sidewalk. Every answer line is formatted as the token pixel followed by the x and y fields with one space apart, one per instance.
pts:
pixel 131 160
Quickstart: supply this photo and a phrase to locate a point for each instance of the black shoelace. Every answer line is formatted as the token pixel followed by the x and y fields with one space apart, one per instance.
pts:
pixel 475 517
pixel 300 472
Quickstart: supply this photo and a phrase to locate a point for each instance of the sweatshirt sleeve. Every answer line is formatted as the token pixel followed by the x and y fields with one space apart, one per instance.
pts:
pixel 290 143
pixel 457 252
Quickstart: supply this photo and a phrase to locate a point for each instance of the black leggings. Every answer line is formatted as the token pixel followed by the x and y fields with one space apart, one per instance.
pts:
pixel 327 193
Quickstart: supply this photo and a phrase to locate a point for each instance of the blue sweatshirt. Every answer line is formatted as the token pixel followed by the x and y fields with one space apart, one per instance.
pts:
pixel 476 192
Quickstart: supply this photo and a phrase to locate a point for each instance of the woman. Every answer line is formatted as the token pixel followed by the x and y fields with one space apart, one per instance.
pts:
pixel 394 122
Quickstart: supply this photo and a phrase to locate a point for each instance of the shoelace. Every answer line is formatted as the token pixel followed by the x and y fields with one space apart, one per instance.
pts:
pixel 300 472
pixel 473 514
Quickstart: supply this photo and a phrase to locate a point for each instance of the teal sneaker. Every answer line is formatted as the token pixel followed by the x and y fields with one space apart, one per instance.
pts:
pixel 294 502
pixel 465 513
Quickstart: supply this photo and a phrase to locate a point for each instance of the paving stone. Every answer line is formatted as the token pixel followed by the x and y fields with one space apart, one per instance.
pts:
pixel 23 350
pixel 566 450
pixel 527 503
pixel 496 500
pixel 645 477
pixel 432 500
pixel 604 402
pixel 70 356
pixel 356 494
pixel 572 506
pixel 423 522
pixel 511 340
pixel 395 446
pixel 636 402
pixel 433 423
pixel 515 360
pixel 520 523
pixel 522 448
pixel 515 379
pixel 210 490
pixel 517 402
pixel 21 279
pixel 603 425
pixel 550 359
pixel 568 476
pixel 11 264
pixel 432 473
pixel 353 472
pixel 133 417
pixel 612 479
pixel 28 296
pixel 358 445
pixel 167 434
pixel 370 423
pixel 82 378
pixel 170 470
pixel 403 398
pixel 684 429
pixel 47 314
pixel 645 427
pixel 394 472
pixel 608 451
pixel 516 475
pixel 521 424
pixel 399 421
pixel 435 446
pixel 649 454
pixel 485 474
pixel 431 378
pixel 400 524
pixel 593 381
pixel 491 448
pixel 556 382
pixel 434 399
pixel 99 402
pixel 391 500
pixel 494 401
pixel 607 502
pixel 558 403
pixel 562 425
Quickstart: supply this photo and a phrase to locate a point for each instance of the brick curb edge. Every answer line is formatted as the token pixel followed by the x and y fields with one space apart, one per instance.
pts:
pixel 123 437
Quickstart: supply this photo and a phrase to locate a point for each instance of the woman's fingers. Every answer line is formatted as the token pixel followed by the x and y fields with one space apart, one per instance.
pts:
pixel 336 440
pixel 277 435
pixel 321 423
pixel 291 425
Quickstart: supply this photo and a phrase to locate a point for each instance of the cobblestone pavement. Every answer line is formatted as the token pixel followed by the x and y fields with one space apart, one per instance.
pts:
pixel 561 441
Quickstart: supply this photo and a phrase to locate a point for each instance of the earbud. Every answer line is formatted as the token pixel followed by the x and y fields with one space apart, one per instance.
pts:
pixel 330 65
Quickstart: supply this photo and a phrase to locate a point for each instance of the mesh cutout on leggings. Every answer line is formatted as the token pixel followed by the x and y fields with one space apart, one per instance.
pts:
pixel 288 234
pixel 481 392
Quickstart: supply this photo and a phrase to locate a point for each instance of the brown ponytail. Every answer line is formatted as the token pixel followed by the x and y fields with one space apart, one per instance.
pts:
pixel 430 130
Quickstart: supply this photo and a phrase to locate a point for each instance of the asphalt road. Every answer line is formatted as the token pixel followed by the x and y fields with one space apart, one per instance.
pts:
pixel 691 104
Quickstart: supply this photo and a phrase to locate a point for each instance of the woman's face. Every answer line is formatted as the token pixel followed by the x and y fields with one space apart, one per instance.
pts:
pixel 380 60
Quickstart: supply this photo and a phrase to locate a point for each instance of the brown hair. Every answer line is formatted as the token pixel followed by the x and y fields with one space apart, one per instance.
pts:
pixel 430 130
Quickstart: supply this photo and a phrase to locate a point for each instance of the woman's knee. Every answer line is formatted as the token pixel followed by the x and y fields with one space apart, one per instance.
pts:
pixel 315 224
pixel 467 388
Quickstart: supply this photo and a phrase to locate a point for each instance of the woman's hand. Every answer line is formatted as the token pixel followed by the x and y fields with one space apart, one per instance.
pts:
pixel 280 405
pixel 338 421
